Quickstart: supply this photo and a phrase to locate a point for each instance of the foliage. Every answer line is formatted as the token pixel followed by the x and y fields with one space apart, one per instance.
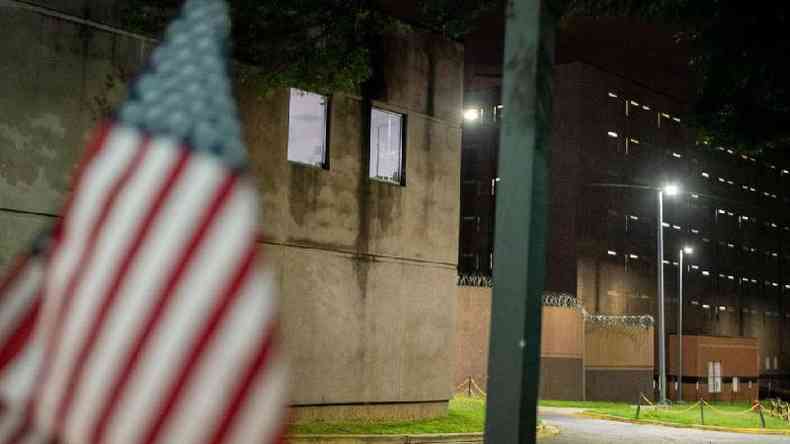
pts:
pixel 318 45
pixel 743 97
pixel 466 415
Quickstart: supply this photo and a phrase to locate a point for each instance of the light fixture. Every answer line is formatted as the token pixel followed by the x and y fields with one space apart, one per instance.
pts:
pixel 611 94
pixel 705 306
pixel 471 114
pixel 611 253
pixel 612 134
pixel 688 250
pixel 671 189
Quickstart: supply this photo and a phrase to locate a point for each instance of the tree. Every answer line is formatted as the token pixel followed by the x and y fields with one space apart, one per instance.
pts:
pixel 320 45
pixel 743 94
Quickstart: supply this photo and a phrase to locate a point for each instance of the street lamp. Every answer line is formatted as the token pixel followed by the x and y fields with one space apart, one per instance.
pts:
pixel 670 189
pixel 684 250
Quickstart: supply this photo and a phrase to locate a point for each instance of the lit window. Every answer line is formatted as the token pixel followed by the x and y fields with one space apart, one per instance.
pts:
pixel 386 146
pixel 714 376
pixel 612 134
pixel 611 253
pixel 307 122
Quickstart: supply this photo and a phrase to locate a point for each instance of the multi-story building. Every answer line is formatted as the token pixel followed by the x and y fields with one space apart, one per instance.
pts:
pixel 613 135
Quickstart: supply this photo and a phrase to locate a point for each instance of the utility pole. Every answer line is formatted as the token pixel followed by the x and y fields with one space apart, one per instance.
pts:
pixel 521 213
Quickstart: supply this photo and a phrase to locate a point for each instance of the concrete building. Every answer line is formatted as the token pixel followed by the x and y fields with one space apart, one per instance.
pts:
pixel 361 223
pixel 619 110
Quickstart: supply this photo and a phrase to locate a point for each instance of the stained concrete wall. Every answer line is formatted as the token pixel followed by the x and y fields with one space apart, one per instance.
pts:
pixel 366 269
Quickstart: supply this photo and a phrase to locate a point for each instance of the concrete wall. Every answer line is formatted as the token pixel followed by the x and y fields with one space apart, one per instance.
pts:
pixel 618 362
pixel 562 345
pixel 366 269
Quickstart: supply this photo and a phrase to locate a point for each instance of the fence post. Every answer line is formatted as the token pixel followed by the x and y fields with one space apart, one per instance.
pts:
pixel 638 404
pixel 762 418
pixel 469 389
pixel 702 411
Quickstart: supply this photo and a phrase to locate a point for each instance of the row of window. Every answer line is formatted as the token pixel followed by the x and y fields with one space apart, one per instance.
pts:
pixel 308 134
pixel 633 104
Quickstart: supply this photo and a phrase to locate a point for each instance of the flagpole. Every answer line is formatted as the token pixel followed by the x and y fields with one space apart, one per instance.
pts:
pixel 520 236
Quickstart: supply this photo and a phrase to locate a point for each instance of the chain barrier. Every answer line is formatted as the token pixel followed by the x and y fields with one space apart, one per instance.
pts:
pixel 722 412
pixel 470 388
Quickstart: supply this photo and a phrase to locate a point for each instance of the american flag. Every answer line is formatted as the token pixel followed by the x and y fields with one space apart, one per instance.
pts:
pixel 147 316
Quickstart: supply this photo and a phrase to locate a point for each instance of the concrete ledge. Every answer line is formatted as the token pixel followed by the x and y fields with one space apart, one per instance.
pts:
pixel 370 412
pixel 454 438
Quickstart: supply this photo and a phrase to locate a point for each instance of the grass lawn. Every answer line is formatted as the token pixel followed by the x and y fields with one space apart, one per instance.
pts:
pixel 722 414
pixel 466 415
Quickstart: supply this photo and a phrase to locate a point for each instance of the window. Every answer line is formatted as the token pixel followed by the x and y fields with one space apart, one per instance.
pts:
pixel 767 363
pixel 307 123
pixel 735 384
pixel 714 377
pixel 386 146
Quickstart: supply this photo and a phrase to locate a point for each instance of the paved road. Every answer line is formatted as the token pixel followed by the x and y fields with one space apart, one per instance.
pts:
pixel 575 429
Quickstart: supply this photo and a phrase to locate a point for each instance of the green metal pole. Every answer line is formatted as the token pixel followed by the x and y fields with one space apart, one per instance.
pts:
pixel 521 212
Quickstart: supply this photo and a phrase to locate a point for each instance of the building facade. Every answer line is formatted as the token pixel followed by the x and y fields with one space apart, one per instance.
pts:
pixel 612 136
pixel 359 196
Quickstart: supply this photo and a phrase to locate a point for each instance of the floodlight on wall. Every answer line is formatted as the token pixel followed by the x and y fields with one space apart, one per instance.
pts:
pixel 471 114
pixel 688 250
pixel 671 189
pixel 612 134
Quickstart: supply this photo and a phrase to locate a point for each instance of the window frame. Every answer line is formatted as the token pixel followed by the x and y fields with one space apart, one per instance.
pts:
pixel 325 164
pixel 403 144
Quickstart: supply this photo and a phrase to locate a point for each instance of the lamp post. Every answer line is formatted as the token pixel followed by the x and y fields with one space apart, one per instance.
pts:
pixel 669 190
pixel 684 250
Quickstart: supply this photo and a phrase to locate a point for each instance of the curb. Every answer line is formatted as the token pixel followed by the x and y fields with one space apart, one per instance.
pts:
pixel 748 431
pixel 449 438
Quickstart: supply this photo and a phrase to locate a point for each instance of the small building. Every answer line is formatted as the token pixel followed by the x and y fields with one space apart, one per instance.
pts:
pixel 716 368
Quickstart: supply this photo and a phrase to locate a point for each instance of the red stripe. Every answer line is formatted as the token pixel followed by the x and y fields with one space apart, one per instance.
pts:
pixel 162 303
pixel 201 341
pixel 53 344
pixel 97 144
pixel 20 433
pixel 11 276
pixel 251 372
pixel 75 375
pixel 22 334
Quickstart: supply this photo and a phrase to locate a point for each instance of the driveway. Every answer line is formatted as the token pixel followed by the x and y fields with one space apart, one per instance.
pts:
pixel 576 429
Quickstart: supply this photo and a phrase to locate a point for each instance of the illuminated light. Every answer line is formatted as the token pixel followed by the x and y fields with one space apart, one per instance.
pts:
pixel 745 187
pixel 665 115
pixel 729 182
pixel 745 279
pixel 705 239
pixel 645 107
pixel 775 284
pixel 676 119
pixel 633 217
pixel 471 114
pixel 773 167
pixel 730 277
pixel 721 179
pixel 722 308
pixel 705 273
pixel 787 286
pixel 730 152
pixel 785 172
pixel 695 231
pixel 731 245
pixel 634 141
pixel 705 306
pixel 765 193
pixel 695 267
pixel 665 224
pixel 705 175
pixel 695 196
pixel 729 213
pixel 677 155
pixel 754 281
pixel 721 275
pixel 611 253
pixel 611 94
pixel 745 217
pixel 720 148
pixel 752 189
pixel 773 225
pixel 773 195
pixel 677 227
pixel 634 103
pixel 775 254
pixel 694 302
pixel 666 262
pixel 688 250
pixel 497 179
pixel 612 134
pixel 633 256
pixel 671 189
pixel 722 212
pixel 744 157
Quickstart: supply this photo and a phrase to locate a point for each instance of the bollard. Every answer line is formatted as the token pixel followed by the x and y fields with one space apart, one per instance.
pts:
pixel 762 418
pixel 702 411
pixel 638 404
